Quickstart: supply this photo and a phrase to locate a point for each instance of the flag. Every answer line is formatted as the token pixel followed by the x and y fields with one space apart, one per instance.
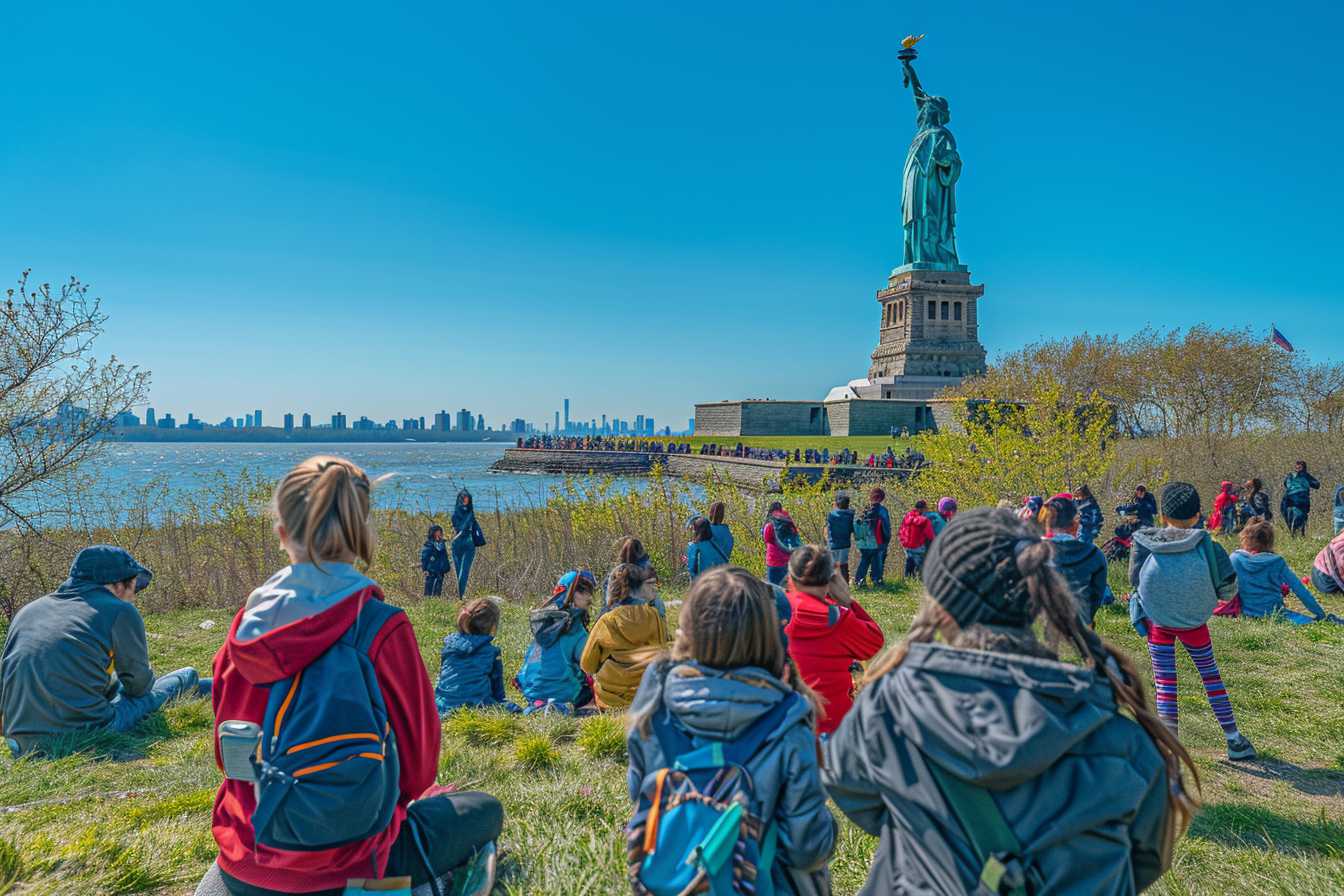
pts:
pixel 1279 339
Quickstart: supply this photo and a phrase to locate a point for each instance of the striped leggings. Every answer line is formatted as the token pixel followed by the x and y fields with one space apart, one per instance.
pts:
pixel 1162 650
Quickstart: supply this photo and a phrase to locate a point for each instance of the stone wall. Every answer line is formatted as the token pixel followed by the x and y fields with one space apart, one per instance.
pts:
pixel 719 418
pixel 877 417
pixel 761 418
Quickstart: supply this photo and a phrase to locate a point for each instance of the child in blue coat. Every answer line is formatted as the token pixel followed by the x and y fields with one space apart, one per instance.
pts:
pixel 471 671
pixel 435 561
pixel 551 674
pixel 1261 575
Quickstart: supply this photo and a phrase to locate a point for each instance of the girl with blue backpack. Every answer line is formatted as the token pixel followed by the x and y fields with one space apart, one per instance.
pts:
pixel 327 733
pixel 551 675
pixel 722 732
pixel 471 670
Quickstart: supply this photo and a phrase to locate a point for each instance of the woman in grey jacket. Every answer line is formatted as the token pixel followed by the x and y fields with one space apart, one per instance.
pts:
pixel 989 726
pixel 727 669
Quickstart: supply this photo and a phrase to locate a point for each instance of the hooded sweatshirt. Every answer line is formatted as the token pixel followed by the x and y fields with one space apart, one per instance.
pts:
pixel 916 531
pixel 471 672
pixel 1180 575
pixel 1089 520
pixel 824 639
pixel 1082 787
pixel 1083 566
pixel 619 649
pixel 1224 504
pixel 550 668
pixel 66 656
pixel 774 554
pixel 434 558
pixel 464 519
pixel 723 537
pixel 286 624
pixel 1260 581
pixel 1330 561
pixel 839 529
pixel 720 705
pixel 704 555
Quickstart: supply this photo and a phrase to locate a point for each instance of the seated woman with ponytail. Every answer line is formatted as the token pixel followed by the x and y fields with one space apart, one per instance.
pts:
pixel 326 729
pixel 986 758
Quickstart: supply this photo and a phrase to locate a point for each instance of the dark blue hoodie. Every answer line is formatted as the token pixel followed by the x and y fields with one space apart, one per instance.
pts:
pixel 839 529
pixel 471 673
pixel 434 557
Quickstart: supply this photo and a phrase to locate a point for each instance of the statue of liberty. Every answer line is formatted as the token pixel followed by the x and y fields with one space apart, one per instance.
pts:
pixel 928 188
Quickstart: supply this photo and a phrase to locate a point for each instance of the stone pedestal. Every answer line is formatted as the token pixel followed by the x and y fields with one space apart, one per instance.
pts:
pixel 929 335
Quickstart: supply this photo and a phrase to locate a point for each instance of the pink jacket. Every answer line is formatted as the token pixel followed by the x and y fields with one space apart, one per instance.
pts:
pixel 774 554
pixel 1330 561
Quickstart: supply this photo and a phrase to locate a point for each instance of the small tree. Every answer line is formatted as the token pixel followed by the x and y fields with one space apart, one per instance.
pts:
pixel 1047 441
pixel 57 400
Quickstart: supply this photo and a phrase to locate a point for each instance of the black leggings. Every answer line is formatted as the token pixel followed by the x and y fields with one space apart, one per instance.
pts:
pixel 452 827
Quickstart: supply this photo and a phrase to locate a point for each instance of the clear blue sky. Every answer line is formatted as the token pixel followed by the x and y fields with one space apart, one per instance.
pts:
pixel 390 208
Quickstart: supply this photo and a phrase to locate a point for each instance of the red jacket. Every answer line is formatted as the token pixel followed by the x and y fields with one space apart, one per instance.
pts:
pixel 916 530
pixel 823 650
pixel 241 668
pixel 1225 500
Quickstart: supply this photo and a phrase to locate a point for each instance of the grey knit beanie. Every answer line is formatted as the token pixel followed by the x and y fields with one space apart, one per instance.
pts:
pixel 971 569
pixel 1180 501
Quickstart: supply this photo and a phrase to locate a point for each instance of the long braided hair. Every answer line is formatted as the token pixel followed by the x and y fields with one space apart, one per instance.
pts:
pixel 1051 602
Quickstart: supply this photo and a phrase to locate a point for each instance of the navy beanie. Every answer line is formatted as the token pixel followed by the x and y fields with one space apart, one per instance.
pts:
pixel 971 569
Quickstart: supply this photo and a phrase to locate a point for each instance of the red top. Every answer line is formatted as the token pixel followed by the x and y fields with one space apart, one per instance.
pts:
pixel 774 554
pixel 824 639
pixel 916 530
pixel 240 670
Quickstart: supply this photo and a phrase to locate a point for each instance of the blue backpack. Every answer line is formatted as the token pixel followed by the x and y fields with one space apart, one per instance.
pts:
pixel 695 829
pixel 329 769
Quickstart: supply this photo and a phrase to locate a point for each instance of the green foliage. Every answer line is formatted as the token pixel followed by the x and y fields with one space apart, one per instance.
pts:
pixel 536 752
pixel 482 727
pixel 602 737
pixel 11 865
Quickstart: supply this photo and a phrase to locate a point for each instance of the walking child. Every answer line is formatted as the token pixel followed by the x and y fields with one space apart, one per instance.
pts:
pixel 435 561
pixel 840 534
pixel 967 756
pixel 625 638
pixel 828 633
pixel 727 682
pixel 1180 573
pixel 471 670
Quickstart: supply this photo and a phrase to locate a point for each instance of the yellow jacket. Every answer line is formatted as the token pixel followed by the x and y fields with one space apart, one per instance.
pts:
pixel 620 646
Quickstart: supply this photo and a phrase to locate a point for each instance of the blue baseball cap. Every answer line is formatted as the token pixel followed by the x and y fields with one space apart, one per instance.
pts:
pixel 104 564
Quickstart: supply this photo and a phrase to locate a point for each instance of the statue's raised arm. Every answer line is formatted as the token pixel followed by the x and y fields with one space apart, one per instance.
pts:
pixel 912 80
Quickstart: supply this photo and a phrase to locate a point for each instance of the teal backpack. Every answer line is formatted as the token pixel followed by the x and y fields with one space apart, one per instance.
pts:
pixel 865 539
pixel 786 534
pixel 695 829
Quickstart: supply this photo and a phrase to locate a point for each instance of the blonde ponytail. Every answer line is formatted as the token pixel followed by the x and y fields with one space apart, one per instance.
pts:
pixel 323 503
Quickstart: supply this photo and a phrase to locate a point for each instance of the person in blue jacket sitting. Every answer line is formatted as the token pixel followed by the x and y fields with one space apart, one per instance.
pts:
pixel 1262 574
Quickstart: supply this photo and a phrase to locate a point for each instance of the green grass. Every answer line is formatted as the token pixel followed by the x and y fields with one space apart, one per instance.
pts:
pixel 130 814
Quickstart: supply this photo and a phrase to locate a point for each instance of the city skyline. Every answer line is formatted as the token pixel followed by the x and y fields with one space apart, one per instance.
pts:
pixel 600 218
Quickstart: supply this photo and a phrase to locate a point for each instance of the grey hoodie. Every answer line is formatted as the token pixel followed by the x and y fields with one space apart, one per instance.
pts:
pixel 1180 575
pixel 718 705
pixel 1082 787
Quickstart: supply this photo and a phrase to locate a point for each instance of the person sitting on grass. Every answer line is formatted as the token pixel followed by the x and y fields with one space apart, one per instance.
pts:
pixel 1180 573
pixel 727 672
pixel 1081 563
pixel 77 660
pixel 828 633
pixel 471 671
pixel 1262 575
pixel 1143 506
pixel 316 618
pixel 983 757
pixel 1327 571
pixel 625 638
pixel 1254 503
pixel 551 675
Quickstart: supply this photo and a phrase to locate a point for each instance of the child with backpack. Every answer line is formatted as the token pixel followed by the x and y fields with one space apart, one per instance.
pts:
pixel 781 539
pixel 702 553
pixel 916 536
pixel 828 632
pixel 1262 575
pixel 840 534
pixel 871 535
pixel 624 638
pixel 471 671
pixel 719 721
pixel 551 674
pixel 1080 562
pixel 987 765
pixel 327 731
pixel 1179 574
pixel 435 561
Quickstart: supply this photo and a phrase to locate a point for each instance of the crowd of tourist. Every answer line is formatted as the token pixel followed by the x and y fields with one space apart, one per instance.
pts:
pixel 888 459
pixel 603 443
pixel 757 702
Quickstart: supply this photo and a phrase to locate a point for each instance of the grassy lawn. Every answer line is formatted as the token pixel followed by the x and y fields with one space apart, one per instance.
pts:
pixel 864 445
pixel 130 814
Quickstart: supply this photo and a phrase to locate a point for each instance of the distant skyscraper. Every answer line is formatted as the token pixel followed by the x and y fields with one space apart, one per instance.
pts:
pixel 256 418
pixel 149 417
pixel 289 423
pixel 480 423
pixel 464 420
pixel 422 423
pixel 238 422
pixel 443 421
pixel 167 422
pixel 557 421
pixel 566 415
pixel 338 420
pixel 248 422
pixel 307 421
pixel 639 424
pixel 648 421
